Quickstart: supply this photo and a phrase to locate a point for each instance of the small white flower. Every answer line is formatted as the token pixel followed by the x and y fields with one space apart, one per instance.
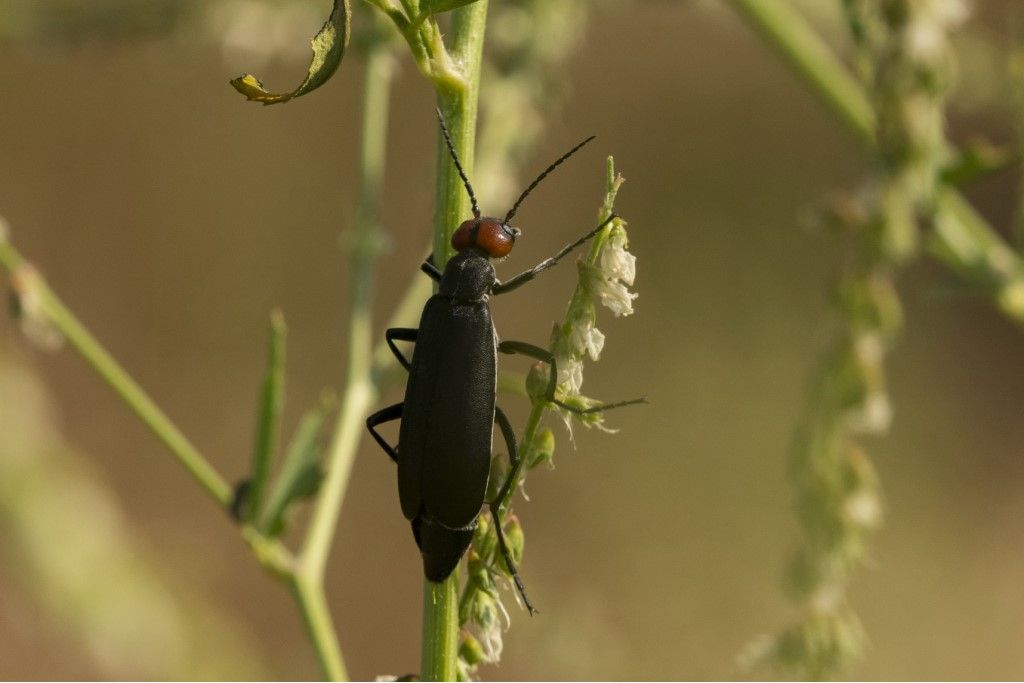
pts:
pixel 587 339
pixel 827 598
pixel 926 34
pixel 616 262
pixel 870 348
pixel 570 374
pixel 950 13
pixel 864 509
pixel 488 620
pixel 925 40
pixel 874 415
pixel 615 296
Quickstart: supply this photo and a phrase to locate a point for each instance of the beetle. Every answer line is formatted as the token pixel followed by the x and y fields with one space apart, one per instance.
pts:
pixel 447 417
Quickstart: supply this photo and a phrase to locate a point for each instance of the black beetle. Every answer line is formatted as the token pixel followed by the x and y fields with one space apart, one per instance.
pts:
pixel 444 444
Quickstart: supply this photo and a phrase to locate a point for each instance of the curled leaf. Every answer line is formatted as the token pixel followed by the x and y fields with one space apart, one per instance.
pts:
pixel 301 472
pixel 328 49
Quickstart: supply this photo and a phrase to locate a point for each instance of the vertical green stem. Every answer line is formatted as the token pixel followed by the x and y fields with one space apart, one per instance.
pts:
pixel 441 629
pixel 457 100
pixel 360 391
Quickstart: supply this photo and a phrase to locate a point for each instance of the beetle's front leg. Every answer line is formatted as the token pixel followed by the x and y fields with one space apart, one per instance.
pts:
pixel 527 275
pixel 545 356
pixel 430 269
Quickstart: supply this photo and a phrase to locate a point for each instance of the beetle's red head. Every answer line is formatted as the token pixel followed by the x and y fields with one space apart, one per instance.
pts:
pixel 486 234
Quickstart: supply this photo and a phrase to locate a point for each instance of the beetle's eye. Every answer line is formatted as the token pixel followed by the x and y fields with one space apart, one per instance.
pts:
pixel 494 238
pixel 463 237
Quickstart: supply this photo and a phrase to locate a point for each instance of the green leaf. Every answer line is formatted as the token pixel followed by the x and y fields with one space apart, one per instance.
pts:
pixel 302 470
pixel 269 425
pixel 437 6
pixel 328 49
pixel 979 158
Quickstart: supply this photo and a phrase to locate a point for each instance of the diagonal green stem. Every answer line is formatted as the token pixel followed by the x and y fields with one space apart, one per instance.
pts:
pixel 32 286
pixel 962 239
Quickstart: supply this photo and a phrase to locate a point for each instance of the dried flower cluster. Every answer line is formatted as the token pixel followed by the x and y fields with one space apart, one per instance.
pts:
pixel 605 276
pixel 905 50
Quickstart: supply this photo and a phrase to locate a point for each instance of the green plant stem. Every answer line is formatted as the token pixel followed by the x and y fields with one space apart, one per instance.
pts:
pixel 785 29
pixel 360 391
pixel 270 553
pixel 457 98
pixel 441 629
pixel 963 240
pixel 57 314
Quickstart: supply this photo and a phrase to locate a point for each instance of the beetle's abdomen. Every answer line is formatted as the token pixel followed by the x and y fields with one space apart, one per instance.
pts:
pixel 444 449
pixel 441 547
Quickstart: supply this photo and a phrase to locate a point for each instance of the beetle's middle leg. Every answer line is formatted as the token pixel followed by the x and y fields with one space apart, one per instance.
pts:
pixel 408 334
pixel 545 356
pixel 495 505
pixel 380 417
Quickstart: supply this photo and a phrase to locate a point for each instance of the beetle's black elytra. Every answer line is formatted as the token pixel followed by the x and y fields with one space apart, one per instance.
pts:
pixel 444 445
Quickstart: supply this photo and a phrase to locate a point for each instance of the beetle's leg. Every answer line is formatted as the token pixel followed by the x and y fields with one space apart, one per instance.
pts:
pixel 430 269
pixel 527 275
pixel 545 356
pixel 380 417
pixel 513 475
pixel 515 462
pixel 401 334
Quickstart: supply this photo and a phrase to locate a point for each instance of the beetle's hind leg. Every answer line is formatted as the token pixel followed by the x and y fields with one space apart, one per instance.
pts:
pixel 380 417
pixel 495 505
pixel 545 356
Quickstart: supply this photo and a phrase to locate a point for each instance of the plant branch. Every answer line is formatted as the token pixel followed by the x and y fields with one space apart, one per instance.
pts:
pixel 29 286
pixel 962 239
pixel 360 392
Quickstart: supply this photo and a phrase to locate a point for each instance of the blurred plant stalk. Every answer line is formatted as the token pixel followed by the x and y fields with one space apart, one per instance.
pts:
pixel 907 61
pixel 42 311
pixel 78 556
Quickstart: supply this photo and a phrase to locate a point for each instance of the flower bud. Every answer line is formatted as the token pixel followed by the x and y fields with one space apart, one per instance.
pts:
pixel 515 540
pixel 471 651
pixel 537 382
pixel 541 450
pixel 485 542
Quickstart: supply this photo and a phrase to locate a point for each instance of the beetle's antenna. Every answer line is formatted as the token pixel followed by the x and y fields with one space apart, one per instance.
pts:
pixel 458 166
pixel 542 176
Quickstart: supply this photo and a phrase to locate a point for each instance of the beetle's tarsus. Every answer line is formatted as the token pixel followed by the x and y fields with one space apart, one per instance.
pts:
pixel 507 555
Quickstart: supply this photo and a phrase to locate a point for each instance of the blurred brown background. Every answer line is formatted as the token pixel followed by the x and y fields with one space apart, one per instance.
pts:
pixel 172 216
